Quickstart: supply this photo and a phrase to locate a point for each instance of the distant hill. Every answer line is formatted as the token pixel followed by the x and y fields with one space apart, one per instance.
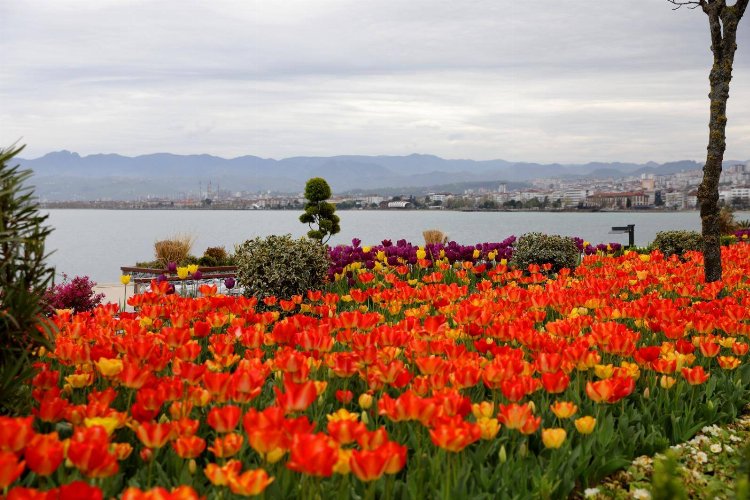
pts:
pixel 64 175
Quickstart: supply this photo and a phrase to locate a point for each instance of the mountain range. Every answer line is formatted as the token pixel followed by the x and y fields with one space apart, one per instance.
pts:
pixel 65 175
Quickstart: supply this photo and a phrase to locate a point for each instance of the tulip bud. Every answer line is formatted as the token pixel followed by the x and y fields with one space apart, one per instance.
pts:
pixel 364 418
pixel 146 454
pixel 710 404
pixel 523 449
pixel 503 455
pixel 192 466
pixel 646 393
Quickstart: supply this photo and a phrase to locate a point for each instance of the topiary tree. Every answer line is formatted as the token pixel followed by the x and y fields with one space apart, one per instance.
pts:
pixel 319 212
pixel 24 277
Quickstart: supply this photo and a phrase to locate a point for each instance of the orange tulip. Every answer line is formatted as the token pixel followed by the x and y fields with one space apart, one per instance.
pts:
pixel 455 434
pixel 250 483
pixel 514 416
pixel 154 435
pixel 695 376
pixel 227 446
pixel 563 409
pixel 219 475
pixel 189 446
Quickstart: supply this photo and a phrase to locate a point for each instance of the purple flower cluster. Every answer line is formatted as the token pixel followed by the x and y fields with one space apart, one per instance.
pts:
pixel 77 294
pixel 592 249
pixel 406 252
pixel 742 234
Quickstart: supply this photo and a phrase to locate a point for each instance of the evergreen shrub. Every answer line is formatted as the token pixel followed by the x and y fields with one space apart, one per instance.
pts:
pixel 677 242
pixel 539 248
pixel 280 266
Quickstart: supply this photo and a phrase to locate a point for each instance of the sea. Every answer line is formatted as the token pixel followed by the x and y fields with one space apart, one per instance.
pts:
pixel 96 243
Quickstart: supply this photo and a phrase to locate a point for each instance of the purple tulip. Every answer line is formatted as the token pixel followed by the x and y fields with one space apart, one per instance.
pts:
pixel 229 283
pixel 197 275
pixel 172 267
pixel 161 277
pixel 356 242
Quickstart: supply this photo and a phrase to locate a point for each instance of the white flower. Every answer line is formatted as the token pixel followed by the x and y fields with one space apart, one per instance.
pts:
pixel 590 492
pixel 712 429
pixel 701 457
pixel 641 494
pixel 716 448
pixel 728 448
pixel 735 439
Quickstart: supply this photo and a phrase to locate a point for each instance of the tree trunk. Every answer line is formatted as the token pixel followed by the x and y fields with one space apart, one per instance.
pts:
pixel 723 22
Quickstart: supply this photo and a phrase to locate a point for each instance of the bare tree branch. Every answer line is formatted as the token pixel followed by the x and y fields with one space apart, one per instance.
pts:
pixel 690 4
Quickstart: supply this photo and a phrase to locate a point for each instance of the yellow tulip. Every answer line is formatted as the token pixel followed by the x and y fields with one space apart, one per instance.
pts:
pixel 109 367
pixel 365 401
pixel 79 380
pixel 109 423
pixel 182 272
pixel 485 409
pixel 125 279
pixel 343 414
pixel 585 425
pixel 489 427
pixel 553 438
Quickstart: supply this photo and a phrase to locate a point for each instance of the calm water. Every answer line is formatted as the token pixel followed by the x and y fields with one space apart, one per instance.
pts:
pixel 97 242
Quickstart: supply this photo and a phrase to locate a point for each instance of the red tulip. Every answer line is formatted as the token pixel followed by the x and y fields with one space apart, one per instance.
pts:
pixel 313 454
pixel 15 433
pixel 296 397
pixel 10 468
pixel 224 419
pixel 44 454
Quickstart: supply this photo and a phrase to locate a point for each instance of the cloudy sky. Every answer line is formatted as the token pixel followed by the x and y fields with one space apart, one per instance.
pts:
pixel 530 80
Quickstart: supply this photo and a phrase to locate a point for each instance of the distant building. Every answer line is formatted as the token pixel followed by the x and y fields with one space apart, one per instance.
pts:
pixel 628 199
pixel 399 204
pixel 441 197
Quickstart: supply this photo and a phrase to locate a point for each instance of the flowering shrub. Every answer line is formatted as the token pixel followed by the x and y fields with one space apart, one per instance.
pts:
pixel 280 266
pixel 415 382
pixel 76 294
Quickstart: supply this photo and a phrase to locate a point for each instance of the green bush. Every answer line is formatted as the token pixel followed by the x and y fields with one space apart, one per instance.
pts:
pixel 538 248
pixel 24 277
pixel 677 242
pixel 214 256
pixel 280 266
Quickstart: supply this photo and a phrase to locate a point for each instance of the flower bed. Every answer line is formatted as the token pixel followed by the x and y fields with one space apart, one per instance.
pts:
pixel 454 380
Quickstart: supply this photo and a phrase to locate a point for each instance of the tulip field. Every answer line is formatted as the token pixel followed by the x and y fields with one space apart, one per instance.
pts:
pixel 418 379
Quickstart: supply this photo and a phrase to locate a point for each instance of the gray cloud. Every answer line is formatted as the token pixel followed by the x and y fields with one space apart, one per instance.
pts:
pixel 538 80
